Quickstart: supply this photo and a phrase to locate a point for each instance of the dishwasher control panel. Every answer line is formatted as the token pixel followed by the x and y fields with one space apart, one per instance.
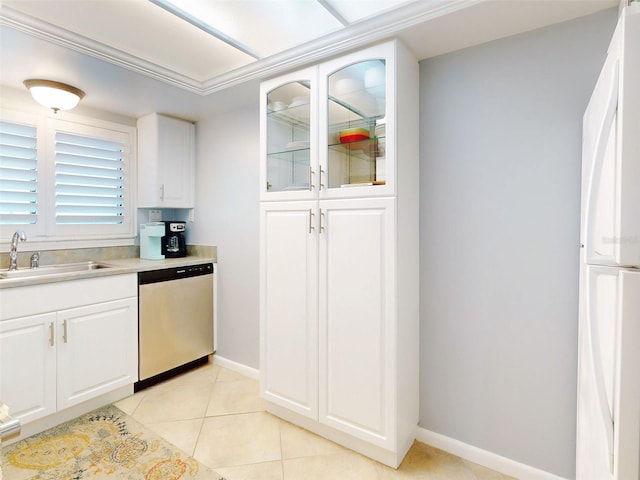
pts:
pixel 175 273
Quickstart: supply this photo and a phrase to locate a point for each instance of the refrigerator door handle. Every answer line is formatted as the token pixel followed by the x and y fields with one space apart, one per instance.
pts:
pixel 598 373
pixel 597 164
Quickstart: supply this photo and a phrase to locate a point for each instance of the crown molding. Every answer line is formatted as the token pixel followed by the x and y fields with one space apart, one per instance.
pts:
pixel 79 43
pixel 356 35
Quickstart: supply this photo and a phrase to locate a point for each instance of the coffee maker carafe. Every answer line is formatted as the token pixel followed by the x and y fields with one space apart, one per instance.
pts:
pixel 173 242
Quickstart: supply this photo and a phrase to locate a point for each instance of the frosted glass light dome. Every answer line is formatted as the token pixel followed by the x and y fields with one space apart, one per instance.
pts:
pixel 54 95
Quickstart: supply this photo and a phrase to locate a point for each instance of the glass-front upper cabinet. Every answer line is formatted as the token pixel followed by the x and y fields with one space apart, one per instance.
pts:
pixel 356 125
pixel 288 136
pixel 340 129
pixel 355 120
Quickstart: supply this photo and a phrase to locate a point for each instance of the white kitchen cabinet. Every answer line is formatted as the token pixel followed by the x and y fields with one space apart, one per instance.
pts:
pixel 357 318
pixel 166 162
pixel 65 356
pixel 288 256
pixel 339 250
pixel 28 366
pixel 97 350
pixel 340 129
pixel 341 271
pixel 289 136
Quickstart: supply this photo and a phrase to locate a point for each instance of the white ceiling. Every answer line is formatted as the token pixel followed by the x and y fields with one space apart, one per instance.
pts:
pixel 136 56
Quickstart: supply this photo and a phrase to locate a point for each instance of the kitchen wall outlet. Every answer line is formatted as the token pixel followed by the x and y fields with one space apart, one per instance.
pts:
pixel 155 215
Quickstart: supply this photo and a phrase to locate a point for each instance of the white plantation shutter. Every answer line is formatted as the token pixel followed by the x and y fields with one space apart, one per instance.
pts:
pixel 18 174
pixel 66 178
pixel 89 180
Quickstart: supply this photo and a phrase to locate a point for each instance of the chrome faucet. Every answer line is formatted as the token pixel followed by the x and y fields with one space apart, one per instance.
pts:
pixel 13 255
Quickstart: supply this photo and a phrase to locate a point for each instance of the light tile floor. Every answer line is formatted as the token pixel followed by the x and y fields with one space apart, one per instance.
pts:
pixel 216 415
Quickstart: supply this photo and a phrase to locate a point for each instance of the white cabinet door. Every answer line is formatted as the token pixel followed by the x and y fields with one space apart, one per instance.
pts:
pixel 288 137
pixel 357 121
pixel 357 318
pixel 175 157
pixel 288 305
pixel 608 385
pixel 165 162
pixel 27 366
pixel 97 350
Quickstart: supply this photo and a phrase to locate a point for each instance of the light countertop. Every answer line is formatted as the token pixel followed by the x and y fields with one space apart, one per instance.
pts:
pixel 116 267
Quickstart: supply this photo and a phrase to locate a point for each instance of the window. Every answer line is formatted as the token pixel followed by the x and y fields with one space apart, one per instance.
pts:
pixel 18 174
pixel 62 179
pixel 89 185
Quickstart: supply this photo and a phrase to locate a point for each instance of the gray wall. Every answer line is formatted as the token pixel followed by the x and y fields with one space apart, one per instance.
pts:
pixel 227 215
pixel 499 232
pixel 500 167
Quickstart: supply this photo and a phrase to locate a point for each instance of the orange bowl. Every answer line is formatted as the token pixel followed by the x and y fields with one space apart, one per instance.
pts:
pixel 354 135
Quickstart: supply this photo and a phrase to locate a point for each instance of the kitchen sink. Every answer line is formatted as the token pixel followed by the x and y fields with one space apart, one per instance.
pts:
pixel 53 270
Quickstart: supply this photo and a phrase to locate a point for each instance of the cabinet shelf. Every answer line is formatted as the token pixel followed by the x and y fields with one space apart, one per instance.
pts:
pixel 370 147
pixel 294 116
pixel 299 114
pixel 364 184
pixel 368 123
pixel 351 107
pixel 292 167
pixel 288 153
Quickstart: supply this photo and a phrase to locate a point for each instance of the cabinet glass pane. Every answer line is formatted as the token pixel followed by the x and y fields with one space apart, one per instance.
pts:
pixel 356 116
pixel 288 149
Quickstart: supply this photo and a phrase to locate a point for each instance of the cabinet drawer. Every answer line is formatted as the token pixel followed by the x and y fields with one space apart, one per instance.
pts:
pixel 34 299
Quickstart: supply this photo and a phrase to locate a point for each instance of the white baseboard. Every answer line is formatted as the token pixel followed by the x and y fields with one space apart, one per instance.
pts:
pixel 236 367
pixel 485 458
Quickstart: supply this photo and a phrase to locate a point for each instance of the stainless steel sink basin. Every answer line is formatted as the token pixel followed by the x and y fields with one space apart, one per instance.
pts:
pixel 53 270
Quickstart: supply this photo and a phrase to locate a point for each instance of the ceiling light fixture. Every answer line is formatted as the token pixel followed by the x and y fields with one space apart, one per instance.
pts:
pixel 54 95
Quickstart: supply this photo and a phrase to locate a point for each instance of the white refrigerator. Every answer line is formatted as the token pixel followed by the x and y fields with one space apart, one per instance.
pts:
pixel 608 420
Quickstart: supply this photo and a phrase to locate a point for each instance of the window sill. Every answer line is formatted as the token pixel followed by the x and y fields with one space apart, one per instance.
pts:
pixel 34 245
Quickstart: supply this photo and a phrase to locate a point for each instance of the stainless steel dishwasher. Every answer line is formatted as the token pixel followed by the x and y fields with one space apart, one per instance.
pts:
pixel 175 310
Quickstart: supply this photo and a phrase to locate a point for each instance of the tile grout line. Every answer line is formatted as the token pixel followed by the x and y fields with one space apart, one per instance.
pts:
pixel 281 452
pixel 204 415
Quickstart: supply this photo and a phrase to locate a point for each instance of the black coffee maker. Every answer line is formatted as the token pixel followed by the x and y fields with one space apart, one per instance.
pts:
pixel 173 242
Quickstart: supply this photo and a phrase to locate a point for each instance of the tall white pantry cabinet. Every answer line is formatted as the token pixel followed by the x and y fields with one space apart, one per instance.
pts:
pixel 339 255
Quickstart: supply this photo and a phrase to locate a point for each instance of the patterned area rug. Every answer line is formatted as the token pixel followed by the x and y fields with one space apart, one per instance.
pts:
pixel 105 444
